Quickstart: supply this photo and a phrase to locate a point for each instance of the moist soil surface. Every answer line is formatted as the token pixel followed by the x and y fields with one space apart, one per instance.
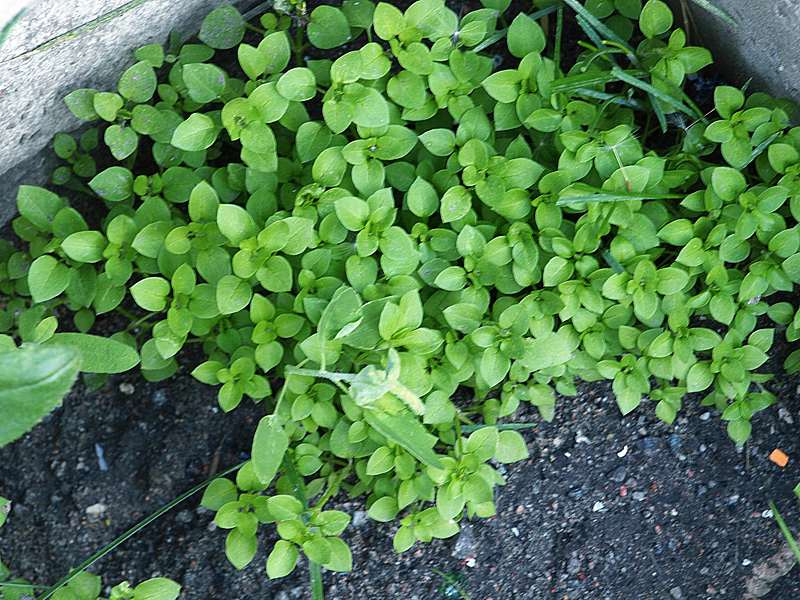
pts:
pixel 607 507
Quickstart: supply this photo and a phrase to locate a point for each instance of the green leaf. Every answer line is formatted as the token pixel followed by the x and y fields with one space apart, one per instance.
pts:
pixel 253 61
pixel 218 493
pixel 341 559
pixel 33 380
pixel 388 21
pixel 298 84
pixel 158 588
pixel 240 548
pixel 511 447
pixel 114 184
pixel 422 198
pixel 122 141
pixel 524 36
pixel 38 205
pixel 455 203
pixel 138 83
pixel 204 82
pixel 223 28
pixel 406 430
pixel 235 223
pixel 699 378
pixel 47 278
pixel 233 294
pixel 81 104
pixel 98 354
pixel 328 27
pixel 655 18
pixel 107 105
pixel 282 560
pixel 151 293
pixel 198 132
pixel 503 86
pixel 383 509
pixel 85 246
pixel 727 100
pixel 269 446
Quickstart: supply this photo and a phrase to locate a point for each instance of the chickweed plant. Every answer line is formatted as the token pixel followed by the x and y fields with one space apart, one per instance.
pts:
pixel 389 228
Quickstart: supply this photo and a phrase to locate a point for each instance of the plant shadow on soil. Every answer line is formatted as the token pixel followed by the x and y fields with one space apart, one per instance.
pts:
pixel 607 507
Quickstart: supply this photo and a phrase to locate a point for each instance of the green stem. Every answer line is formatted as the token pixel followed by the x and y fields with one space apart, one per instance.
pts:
pixel 282 393
pixel 14 584
pixel 559 33
pixel 315 574
pixel 254 28
pixel 139 321
pixel 298 45
pixel 131 532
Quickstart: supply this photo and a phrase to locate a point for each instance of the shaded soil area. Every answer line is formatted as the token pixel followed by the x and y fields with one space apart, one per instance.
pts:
pixel 606 508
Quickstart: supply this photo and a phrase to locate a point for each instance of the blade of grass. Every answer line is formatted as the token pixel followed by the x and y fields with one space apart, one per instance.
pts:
pixel 760 148
pixel 785 530
pixel 614 98
pixel 131 532
pixel 559 34
pixel 594 36
pixel 646 87
pixel 567 84
pixel 601 28
pixel 717 12
pixel 614 197
pixel 659 112
pixel 500 427
pixel 501 34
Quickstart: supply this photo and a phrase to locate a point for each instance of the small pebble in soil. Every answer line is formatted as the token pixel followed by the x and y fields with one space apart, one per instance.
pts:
pixel 160 398
pixel 639 496
pixel 705 416
pixel 127 388
pixel 598 506
pixel 573 566
pixel 676 593
pixel 618 474
pixel 622 453
pixel 184 516
pixel 96 511
pixel 360 518
pixel 650 445
pixel 465 543
pixel 101 457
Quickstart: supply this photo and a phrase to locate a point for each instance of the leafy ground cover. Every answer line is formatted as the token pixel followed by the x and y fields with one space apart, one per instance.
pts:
pixel 391 248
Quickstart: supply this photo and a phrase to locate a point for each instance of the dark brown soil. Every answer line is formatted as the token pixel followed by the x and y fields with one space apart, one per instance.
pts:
pixel 679 515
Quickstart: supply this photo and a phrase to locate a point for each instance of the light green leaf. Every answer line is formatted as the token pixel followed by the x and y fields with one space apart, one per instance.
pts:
pixel 33 380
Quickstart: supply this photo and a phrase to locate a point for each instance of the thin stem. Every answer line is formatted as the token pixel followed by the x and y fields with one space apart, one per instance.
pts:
pixel 315 574
pixel 254 28
pixel 13 584
pixel 139 321
pixel 330 375
pixel 131 532
pixel 559 33
pixel 282 393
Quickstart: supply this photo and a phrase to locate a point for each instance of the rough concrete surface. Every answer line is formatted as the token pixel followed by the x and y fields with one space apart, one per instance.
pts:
pixel 35 73
pixel 61 45
pixel 763 45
